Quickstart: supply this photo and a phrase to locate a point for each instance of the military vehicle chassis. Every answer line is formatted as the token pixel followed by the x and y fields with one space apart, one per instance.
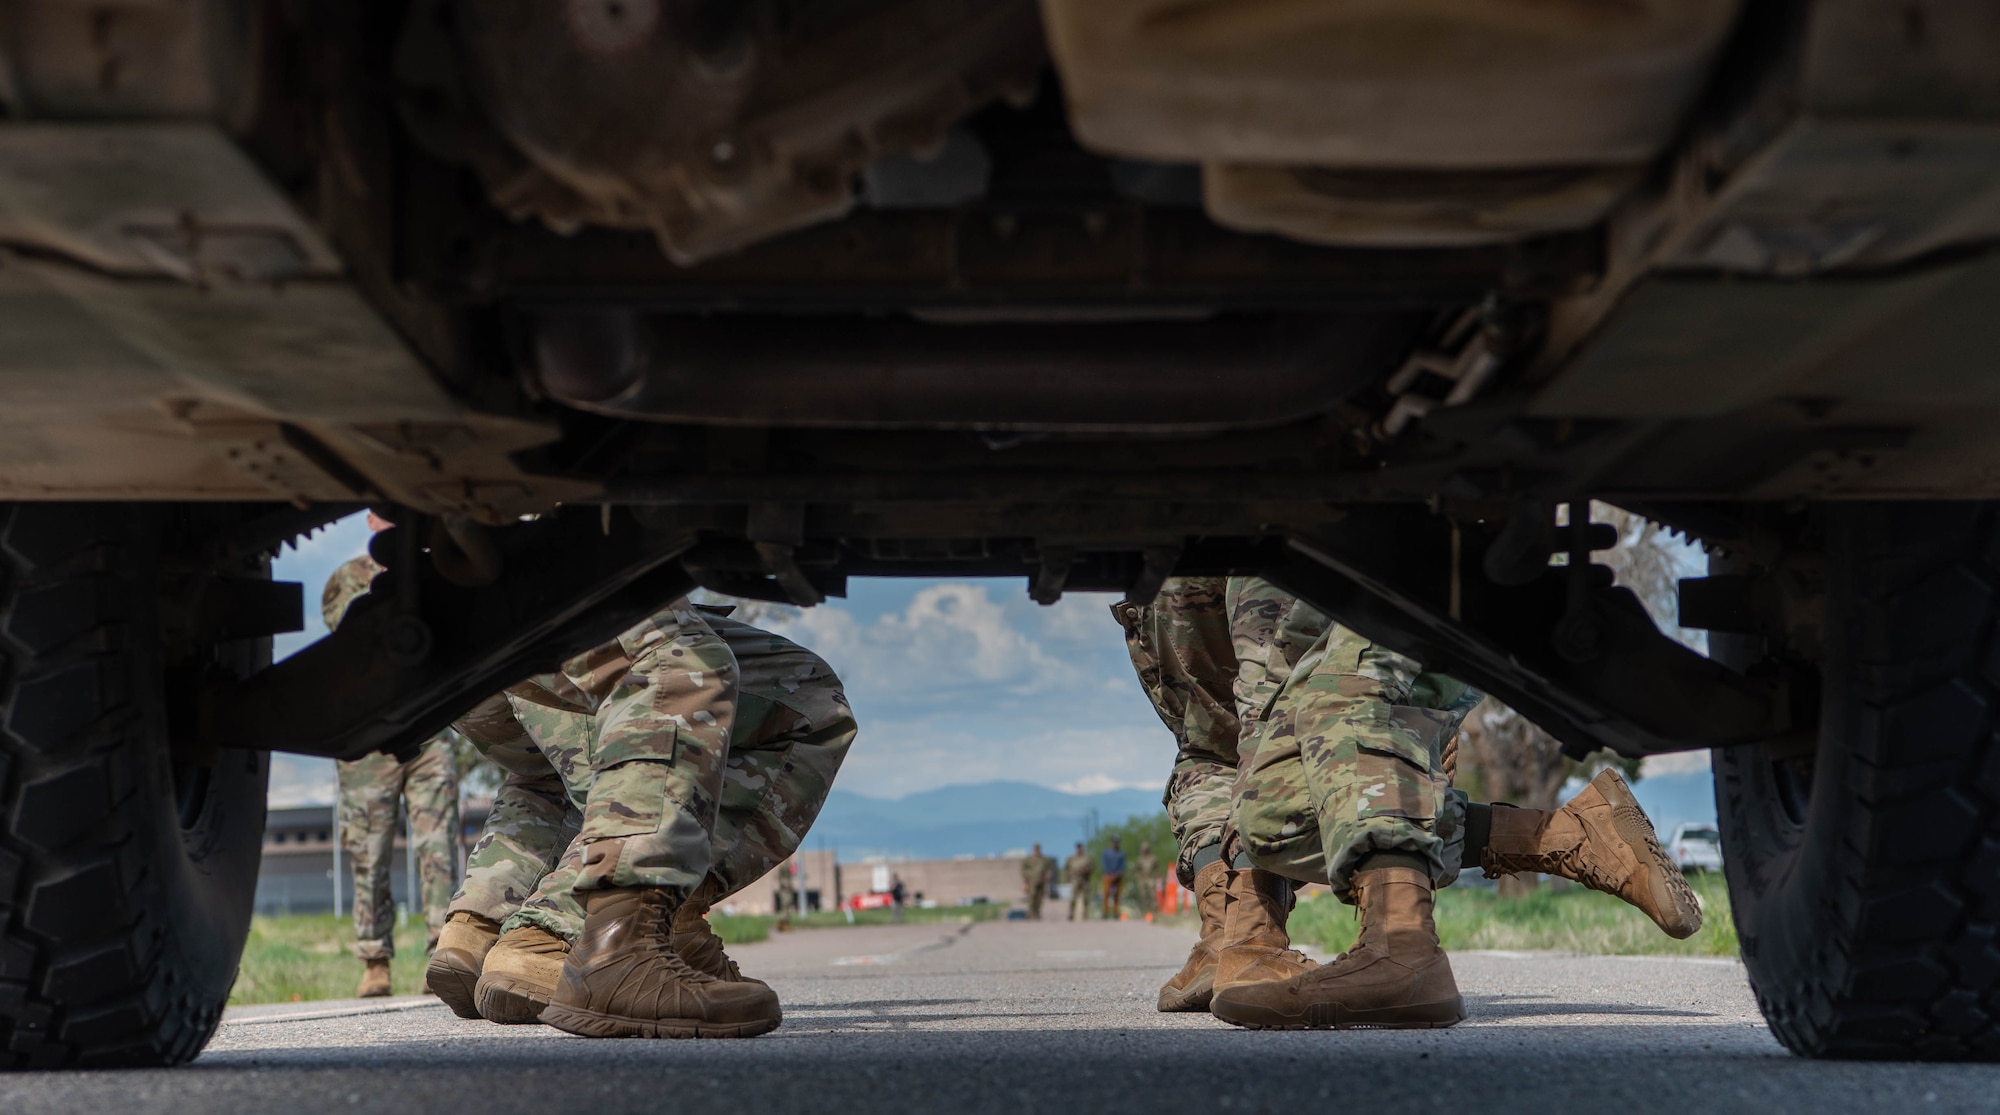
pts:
pixel 267 264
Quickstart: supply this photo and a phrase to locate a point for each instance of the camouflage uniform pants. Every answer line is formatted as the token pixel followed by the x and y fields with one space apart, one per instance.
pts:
pixel 370 791
pixel 1212 654
pixel 1145 892
pixel 708 759
pixel 1350 762
pixel 1079 898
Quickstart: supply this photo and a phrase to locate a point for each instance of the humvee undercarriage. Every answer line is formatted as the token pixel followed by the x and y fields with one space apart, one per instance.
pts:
pixel 611 298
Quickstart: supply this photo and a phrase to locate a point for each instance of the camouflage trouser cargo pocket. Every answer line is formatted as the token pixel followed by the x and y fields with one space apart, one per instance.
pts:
pixel 660 820
pixel 655 782
pixel 1384 768
pixel 628 800
pixel 1348 760
pixel 1274 816
pixel 659 745
pixel 1365 770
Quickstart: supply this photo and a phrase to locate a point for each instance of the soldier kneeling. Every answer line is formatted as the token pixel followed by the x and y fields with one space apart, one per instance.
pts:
pixel 647 780
pixel 1347 786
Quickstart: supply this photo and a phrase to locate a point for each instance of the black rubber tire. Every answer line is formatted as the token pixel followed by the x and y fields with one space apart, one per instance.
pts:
pixel 1865 876
pixel 126 879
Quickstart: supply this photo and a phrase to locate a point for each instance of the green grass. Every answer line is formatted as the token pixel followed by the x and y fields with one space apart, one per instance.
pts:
pixel 739 929
pixel 912 915
pixel 300 959
pixel 1571 919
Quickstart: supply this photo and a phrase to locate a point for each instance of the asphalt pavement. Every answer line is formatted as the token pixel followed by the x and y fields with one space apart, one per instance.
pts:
pixel 1052 1017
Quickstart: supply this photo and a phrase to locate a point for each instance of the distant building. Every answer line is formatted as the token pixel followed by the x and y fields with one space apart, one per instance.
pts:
pixel 296 874
pixel 824 883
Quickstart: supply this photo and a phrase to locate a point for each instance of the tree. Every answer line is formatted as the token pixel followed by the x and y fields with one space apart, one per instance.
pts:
pixel 1144 828
pixel 1650 560
pixel 1504 756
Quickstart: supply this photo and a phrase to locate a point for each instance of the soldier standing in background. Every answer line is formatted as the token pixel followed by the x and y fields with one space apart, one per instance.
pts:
pixel 1076 872
pixel 370 790
pixel 1114 878
pixel 788 897
pixel 1038 872
pixel 1146 878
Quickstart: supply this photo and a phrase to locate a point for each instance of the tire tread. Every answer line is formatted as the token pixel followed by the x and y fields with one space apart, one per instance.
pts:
pixel 81 927
pixel 1905 964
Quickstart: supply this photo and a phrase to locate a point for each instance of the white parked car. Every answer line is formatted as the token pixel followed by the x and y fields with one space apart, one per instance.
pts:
pixel 1696 848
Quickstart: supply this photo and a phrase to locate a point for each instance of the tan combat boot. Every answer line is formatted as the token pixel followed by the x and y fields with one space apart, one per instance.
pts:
pixel 374 980
pixel 1603 840
pixel 1195 982
pixel 1254 947
pixel 453 973
pixel 697 943
pixel 1395 977
pixel 624 979
pixel 519 975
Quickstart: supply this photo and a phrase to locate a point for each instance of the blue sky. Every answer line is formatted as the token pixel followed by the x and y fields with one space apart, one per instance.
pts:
pixel 957 682
pixel 953 681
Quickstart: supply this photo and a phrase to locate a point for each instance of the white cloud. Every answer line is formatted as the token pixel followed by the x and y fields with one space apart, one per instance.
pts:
pixel 949 637
pixel 298 780
pixel 953 686
pixel 1080 618
pixel 1680 762
pixel 1101 783
pixel 894 756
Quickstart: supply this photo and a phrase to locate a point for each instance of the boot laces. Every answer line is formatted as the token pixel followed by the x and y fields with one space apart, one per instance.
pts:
pixel 703 941
pixel 655 942
pixel 1295 956
pixel 1564 863
pixel 659 950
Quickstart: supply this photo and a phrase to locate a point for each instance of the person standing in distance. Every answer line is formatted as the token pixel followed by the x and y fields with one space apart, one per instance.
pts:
pixel 1076 872
pixel 1114 878
pixel 1146 878
pixel 1038 872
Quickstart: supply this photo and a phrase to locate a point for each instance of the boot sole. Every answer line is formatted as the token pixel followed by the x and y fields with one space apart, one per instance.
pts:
pixel 1192 999
pixel 1679 915
pixel 454 978
pixel 591 1024
pixel 511 1002
pixel 1332 1016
